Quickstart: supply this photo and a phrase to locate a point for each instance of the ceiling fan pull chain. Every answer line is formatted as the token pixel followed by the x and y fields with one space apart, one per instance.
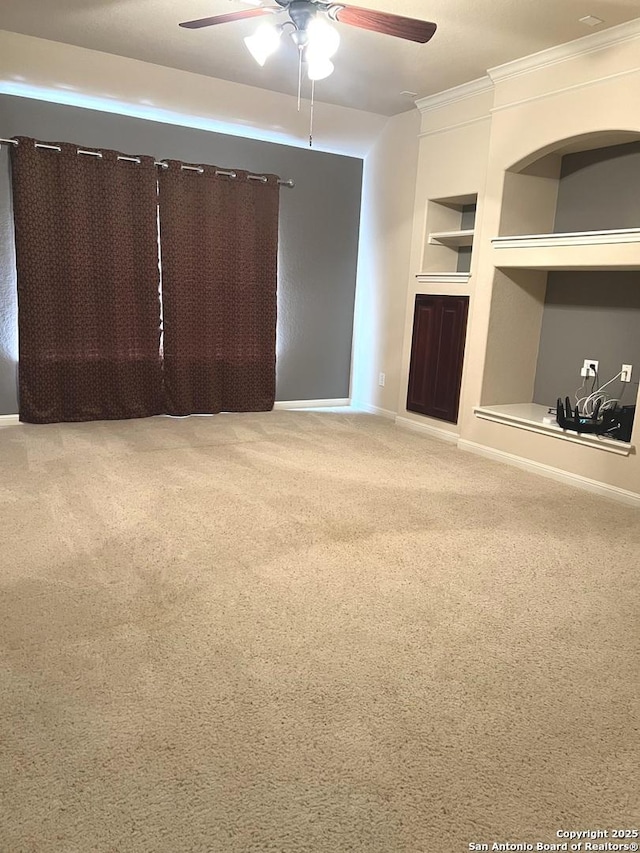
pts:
pixel 313 97
pixel 299 76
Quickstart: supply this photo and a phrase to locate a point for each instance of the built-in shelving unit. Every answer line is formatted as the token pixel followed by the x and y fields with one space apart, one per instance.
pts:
pixel 570 289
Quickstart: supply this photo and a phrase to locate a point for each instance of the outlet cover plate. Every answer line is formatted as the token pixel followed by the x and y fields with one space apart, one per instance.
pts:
pixel 586 369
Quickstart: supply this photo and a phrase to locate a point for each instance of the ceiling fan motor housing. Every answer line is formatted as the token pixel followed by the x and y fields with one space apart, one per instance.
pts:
pixel 302 12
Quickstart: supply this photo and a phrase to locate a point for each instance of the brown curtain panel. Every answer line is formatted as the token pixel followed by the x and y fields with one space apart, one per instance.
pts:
pixel 88 284
pixel 219 239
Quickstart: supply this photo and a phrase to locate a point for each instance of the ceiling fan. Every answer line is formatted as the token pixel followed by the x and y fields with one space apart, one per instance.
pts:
pixel 310 31
pixel 302 12
pixel 309 28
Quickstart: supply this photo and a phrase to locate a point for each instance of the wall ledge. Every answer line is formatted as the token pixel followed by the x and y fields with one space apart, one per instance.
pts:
pixel 576 480
pixel 531 417
pixel 574 238
pixel 443 277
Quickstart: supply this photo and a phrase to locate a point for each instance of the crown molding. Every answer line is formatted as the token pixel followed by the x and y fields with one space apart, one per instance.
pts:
pixel 584 84
pixel 570 50
pixel 457 93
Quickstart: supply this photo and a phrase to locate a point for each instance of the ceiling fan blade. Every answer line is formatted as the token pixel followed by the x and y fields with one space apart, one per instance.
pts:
pixel 231 16
pixel 382 22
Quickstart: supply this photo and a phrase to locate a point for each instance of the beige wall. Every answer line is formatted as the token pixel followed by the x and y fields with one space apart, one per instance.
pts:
pixel 63 73
pixel 383 266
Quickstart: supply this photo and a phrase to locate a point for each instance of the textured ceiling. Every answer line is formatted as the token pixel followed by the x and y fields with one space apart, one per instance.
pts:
pixel 371 69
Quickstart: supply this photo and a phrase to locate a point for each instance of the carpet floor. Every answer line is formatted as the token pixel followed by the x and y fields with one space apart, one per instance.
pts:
pixel 300 632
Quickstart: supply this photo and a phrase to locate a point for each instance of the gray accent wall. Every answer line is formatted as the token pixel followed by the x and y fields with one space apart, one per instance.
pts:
pixel 8 295
pixel 319 226
pixel 467 222
pixel 599 189
pixel 588 315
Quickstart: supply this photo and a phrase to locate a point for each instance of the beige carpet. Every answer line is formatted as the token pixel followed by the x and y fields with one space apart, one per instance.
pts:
pixel 305 632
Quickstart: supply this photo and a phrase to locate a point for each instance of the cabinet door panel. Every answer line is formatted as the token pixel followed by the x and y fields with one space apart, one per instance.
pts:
pixel 425 323
pixel 437 355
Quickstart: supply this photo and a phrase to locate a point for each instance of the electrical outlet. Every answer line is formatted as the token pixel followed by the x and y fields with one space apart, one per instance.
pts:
pixel 381 379
pixel 626 373
pixel 587 370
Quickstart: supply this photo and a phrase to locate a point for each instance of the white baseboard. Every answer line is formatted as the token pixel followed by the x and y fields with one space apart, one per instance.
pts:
pixel 374 410
pixel 428 429
pixel 14 420
pixel 9 420
pixel 594 486
pixel 311 404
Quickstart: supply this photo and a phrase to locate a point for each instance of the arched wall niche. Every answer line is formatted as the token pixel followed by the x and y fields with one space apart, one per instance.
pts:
pixel 531 184
pixel 538 161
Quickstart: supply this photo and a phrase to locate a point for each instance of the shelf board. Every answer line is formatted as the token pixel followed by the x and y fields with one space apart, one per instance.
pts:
pixel 615 249
pixel 456 202
pixel 530 416
pixel 453 239
pixel 443 277
pixel 573 238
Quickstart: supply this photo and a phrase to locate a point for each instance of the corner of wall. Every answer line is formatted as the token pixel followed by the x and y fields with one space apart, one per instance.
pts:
pixel 388 194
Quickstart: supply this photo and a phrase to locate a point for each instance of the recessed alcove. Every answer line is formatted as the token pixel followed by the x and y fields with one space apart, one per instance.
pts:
pixel 567 280
pixel 449 233
pixel 591 183
pixel 588 315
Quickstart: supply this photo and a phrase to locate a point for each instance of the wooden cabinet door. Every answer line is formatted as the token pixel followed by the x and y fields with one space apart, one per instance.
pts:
pixel 437 354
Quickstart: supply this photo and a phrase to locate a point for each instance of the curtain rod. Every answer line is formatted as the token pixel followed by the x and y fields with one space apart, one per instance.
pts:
pixel 161 163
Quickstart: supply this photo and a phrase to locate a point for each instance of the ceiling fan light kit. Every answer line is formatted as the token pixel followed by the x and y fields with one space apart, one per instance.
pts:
pixel 317 40
pixel 319 68
pixel 324 40
pixel 263 42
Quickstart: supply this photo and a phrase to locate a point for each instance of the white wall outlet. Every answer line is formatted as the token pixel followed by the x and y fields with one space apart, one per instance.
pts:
pixel 625 373
pixel 381 379
pixel 587 370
